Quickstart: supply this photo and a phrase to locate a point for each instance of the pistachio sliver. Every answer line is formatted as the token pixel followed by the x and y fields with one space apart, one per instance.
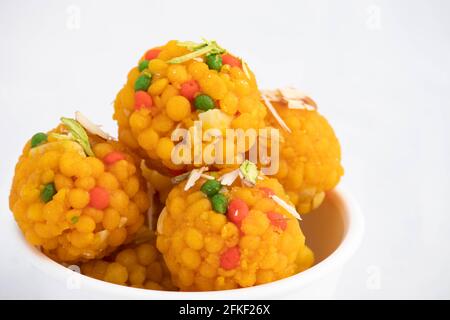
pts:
pixel 198 49
pixel 79 134
pixel 191 45
pixel 249 171
pixel 191 55
pixel 90 126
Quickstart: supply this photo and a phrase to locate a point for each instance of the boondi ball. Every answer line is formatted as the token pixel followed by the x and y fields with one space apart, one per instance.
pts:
pixel 137 266
pixel 179 83
pixel 310 156
pixel 77 196
pixel 214 237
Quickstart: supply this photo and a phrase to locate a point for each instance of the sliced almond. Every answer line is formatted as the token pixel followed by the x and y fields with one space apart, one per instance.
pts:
pixel 194 176
pixel 310 102
pixel 289 208
pixel 297 99
pixel 291 93
pixel 90 126
pixel 275 114
pixel 272 95
pixel 294 98
pixel 299 105
pixel 228 178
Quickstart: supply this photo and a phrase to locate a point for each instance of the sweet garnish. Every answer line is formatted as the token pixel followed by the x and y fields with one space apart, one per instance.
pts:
pixel 99 198
pixel 198 50
pixel 249 172
pixel 275 113
pixel 214 61
pixel 219 203
pixel 48 192
pixel 294 98
pixel 237 210
pixel 194 175
pixel 142 100
pixel 286 206
pixel 191 45
pixel 78 134
pixel 143 81
pixel 297 99
pixel 143 65
pixel 207 176
pixel 203 102
pixel 211 187
pixel 90 126
pixel 228 178
pixel 38 139
pixel 189 89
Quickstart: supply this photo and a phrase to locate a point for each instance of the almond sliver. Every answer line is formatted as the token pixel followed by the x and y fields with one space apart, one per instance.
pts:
pixel 275 114
pixel 286 206
pixel 228 178
pixel 90 126
pixel 194 176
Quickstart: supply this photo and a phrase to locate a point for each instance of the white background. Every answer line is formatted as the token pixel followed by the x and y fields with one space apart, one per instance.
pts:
pixel 379 71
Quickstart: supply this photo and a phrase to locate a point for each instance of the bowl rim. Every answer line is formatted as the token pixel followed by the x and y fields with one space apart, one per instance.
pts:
pixel 353 234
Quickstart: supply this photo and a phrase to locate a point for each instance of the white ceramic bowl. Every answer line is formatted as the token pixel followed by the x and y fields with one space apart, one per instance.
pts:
pixel 334 233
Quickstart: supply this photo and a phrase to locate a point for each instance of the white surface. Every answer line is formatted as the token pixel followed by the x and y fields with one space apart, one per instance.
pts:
pixel 379 71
